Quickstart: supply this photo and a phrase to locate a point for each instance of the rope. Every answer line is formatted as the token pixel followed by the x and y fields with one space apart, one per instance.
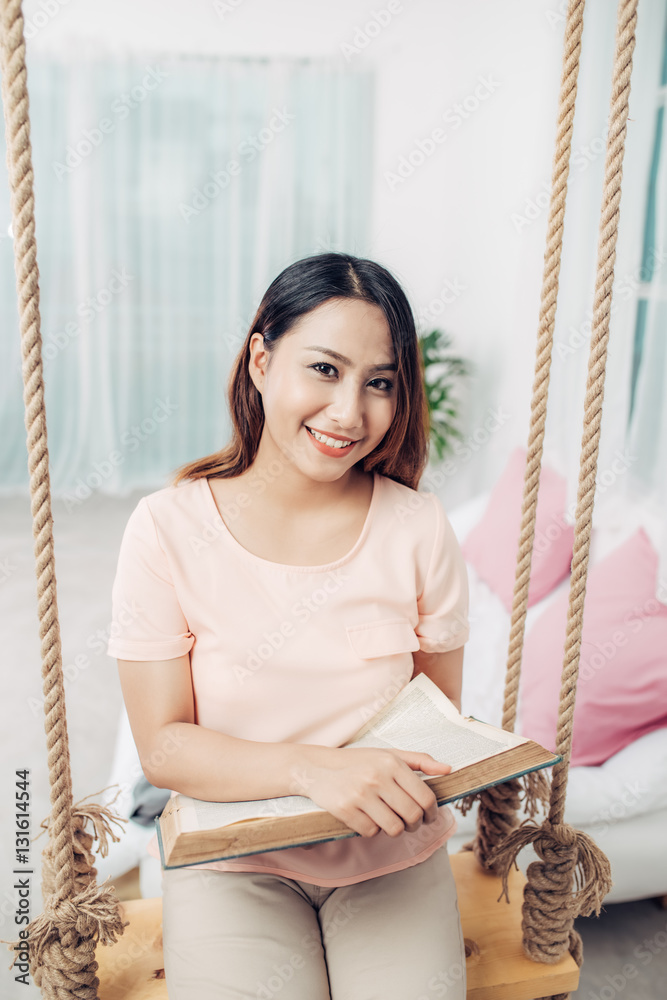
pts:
pixel 548 909
pixel 496 801
pixel 538 415
pixel 64 879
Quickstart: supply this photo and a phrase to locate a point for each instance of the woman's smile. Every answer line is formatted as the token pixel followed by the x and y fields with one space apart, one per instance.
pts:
pixel 321 444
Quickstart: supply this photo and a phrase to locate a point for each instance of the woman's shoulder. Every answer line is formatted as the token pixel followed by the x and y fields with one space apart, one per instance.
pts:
pixel 419 510
pixel 169 503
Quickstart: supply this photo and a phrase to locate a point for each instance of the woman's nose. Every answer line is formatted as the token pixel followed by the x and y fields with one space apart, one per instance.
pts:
pixel 347 407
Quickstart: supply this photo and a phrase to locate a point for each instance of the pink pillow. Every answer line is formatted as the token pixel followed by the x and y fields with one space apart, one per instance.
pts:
pixel 492 545
pixel 622 689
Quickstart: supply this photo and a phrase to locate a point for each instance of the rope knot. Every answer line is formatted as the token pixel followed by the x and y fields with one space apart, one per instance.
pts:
pixel 62 939
pixel 571 879
pixel 91 915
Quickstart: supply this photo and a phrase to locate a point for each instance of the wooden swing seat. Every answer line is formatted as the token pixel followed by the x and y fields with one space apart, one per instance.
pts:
pixel 497 968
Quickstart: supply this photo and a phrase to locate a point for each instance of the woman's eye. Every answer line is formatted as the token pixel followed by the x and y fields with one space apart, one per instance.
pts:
pixel 387 387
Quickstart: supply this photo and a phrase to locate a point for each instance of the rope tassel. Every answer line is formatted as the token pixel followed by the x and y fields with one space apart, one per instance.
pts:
pixel 62 939
pixel 498 807
pixel 88 917
pixel 571 880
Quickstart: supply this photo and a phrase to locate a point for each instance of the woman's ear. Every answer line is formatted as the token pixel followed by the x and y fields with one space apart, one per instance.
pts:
pixel 258 361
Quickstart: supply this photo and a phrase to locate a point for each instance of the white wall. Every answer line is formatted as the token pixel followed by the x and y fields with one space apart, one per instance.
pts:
pixel 451 219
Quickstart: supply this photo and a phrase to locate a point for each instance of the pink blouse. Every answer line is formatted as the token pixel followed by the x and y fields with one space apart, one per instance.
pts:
pixel 301 654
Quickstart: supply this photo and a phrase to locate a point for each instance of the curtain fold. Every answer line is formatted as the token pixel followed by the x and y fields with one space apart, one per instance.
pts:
pixel 169 193
pixel 632 463
pixel 647 432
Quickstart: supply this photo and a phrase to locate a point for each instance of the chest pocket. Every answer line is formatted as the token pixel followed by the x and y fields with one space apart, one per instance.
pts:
pixel 382 638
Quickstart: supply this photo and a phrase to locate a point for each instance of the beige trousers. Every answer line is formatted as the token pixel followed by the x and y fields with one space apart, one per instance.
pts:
pixel 258 936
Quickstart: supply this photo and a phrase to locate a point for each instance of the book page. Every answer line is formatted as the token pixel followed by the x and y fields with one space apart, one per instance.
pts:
pixel 445 741
pixel 417 719
pixel 197 814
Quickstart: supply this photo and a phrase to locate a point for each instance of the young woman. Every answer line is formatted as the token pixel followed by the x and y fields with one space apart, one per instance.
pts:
pixel 268 603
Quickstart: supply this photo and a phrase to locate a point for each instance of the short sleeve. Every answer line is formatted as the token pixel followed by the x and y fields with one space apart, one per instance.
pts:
pixel 147 620
pixel 443 604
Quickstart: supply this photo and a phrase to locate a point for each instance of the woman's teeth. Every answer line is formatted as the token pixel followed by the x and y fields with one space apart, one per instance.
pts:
pixel 332 442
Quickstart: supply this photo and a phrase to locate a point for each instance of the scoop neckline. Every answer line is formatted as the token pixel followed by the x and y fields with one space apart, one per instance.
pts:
pixel 289 566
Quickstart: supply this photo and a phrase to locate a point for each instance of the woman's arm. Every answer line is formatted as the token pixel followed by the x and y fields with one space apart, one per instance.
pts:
pixel 444 669
pixel 177 754
pixel 367 788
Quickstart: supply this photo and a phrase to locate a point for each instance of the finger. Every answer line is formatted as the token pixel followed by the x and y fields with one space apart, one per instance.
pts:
pixel 424 762
pixel 404 803
pixel 418 790
pixel 362 824
pixel 386 818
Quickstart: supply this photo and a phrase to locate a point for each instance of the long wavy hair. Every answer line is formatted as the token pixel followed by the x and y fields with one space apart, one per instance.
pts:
pixel 402 453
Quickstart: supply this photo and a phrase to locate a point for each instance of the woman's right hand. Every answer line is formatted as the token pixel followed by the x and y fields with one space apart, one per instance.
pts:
pixel 371 789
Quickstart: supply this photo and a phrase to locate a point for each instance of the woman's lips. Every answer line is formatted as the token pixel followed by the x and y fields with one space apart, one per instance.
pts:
pixel 326 450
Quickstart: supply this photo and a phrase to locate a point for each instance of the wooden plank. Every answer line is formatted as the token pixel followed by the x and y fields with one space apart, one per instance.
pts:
pixel 132 968
pixel 501 970
pixel 497 968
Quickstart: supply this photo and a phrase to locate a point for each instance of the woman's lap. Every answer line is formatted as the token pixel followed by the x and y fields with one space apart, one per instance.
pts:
pixel 267 937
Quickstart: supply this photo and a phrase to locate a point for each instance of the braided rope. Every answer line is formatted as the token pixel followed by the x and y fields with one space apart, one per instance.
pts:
pixel 549 909
pixel 538 414
pixel 19 164
pixel 609 219
pixel 77 912
pixel 496 802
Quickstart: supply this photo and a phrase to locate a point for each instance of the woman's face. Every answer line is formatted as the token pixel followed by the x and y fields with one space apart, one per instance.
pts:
pixel 304 385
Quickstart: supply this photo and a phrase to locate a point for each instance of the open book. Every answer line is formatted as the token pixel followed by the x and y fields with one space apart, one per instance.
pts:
pixel 420 717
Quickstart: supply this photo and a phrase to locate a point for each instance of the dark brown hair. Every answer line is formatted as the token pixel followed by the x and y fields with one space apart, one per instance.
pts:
pixel 403 452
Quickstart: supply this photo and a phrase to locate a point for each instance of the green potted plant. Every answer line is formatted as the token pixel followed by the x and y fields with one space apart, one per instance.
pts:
pixel 441 372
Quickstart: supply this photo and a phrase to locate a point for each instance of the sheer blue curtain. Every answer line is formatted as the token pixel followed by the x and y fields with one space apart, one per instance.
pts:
pixel 169 194
pixel 632 460
pixel 648 418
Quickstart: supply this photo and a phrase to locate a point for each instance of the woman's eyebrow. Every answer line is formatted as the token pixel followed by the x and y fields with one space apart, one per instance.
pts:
pixel 389 366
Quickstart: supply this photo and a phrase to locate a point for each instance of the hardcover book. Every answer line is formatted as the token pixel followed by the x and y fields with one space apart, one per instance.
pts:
pixel 419 718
